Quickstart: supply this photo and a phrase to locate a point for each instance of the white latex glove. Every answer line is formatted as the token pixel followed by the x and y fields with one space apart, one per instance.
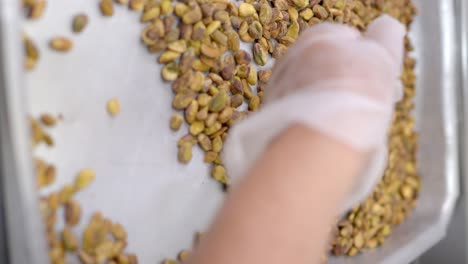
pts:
pixel 335 80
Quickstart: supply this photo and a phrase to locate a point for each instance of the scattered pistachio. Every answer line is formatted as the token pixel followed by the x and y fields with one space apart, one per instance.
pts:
pixel 84 178
pixel 72 213
pixel 219 174
pixel 79 23
pixel 61 44
pixel 185 152
pixel 176 121
pixel 113 107
pixel 107 7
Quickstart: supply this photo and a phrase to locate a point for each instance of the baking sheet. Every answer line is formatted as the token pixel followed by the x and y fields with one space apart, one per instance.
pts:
pixel 139 181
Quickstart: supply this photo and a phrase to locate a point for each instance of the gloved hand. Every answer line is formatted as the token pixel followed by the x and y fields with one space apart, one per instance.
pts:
pixel 337 81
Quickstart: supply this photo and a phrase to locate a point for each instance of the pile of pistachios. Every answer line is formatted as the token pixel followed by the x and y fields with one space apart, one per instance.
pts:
pixel 216 54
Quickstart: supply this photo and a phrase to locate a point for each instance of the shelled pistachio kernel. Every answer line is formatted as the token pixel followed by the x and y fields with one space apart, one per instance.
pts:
pixel 61 44
pixel 36 9
pixel 176 121
pixel 72 213
pixel 80 21
pixel 48 120
pixel 107 7
pixel 185 152
pixel 32 53
pixel 184 255
pixel 70 240
pixel 84 178
pixel 219 174
pixel 113 107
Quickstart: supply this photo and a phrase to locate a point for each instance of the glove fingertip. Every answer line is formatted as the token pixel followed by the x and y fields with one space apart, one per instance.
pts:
pixel 389 33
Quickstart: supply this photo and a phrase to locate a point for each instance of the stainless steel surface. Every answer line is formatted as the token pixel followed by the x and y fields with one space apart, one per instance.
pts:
pixel 139 182
pixel 24 227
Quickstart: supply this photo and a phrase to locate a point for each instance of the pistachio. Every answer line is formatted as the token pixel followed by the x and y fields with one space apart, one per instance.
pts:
pixel 264 75
pixel 279 51
pixel 72 213
pixel 210 157
pixel 70 241
pixel 212 27
pixel 255 30
pixel 307 14
pixel 48 120
pixel 242 57
pixel 170 72
pixel 217 144
pixel 32 53
pixel 192 16
pixel 186 31
pixel 246 10
pixel 107 7
pixel 252 76
pixel 243 71
pixel 211 119
pixel 79 23
pixel 152 33
pixel 265 14
pixel 203 99
pixel 137 5
pixel 227 72
pixel 320 12
pixel 254 103
pixel 222 15
pixel 199 30
pixel 61 44
pixel 237 86
pixel 243 32
pixel 179 46
pixel 151 14
pixel 156 46
pixel 166 7
pixel 219 174
pixel 260 54
pixel 181 9
pixel 113 107
pixel 118 232
pixel 233 40
pixel 293 30
pixel 37 10
pixel 220 38
pixel 204 142
pixel 187 139
pixel 66 193
pixel 210 51
pixel 198 65
pixel 191 112
pixel 202 115
pixel 218 102
pixel 210 130
pixel 225 115
pixel 168 56
pixel 84 178
pixel 176 121
pixel 184 256
pixel 237 100
pixel 86 258
pixel 183 99
pixel 185 152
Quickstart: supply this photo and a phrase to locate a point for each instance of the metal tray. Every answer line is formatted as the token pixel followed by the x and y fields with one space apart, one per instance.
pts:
pixel 139 182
